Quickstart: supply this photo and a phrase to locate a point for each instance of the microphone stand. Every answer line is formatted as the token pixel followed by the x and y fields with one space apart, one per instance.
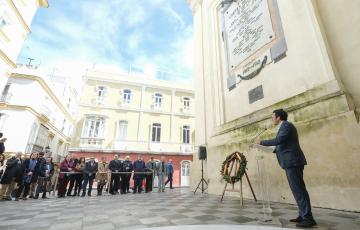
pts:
pixel 258 134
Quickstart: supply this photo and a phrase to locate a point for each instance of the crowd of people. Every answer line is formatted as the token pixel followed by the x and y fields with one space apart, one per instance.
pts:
pixel 29 177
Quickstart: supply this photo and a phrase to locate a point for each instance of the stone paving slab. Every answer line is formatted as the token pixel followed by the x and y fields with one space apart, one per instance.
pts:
pixel 178 207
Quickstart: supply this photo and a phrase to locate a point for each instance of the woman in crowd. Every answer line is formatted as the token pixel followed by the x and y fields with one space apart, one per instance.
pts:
pixel 66 166
pixel 79 176
pixel 102 176
pixel 45 172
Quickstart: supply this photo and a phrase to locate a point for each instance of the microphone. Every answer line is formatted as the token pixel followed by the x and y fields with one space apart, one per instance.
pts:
pixel 258 134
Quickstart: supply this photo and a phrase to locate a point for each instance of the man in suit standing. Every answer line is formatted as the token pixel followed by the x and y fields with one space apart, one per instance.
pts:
pixel 115 167
pixel 139 168
pixel 292 160
pixel 161 173
pixel 90 170
pixel 151 166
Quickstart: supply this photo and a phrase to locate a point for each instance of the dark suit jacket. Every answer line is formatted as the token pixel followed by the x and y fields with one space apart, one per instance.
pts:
pixel 288 151
pixel 90 170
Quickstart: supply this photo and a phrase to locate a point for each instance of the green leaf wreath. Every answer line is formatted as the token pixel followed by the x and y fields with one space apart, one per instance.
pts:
pixel 237 160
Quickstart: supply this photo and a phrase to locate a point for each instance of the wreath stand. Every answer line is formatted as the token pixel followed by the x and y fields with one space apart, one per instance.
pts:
pixel 235 165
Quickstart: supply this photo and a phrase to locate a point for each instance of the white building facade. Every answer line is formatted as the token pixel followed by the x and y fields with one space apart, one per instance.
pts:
pixel 15 22
pixel 33 117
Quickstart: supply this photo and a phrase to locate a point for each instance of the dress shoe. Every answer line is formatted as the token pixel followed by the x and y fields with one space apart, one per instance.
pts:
pixel 297 219
pixel 306 224
pixel 82 195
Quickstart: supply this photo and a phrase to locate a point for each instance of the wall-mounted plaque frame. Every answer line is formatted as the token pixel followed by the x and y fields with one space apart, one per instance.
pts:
pixel 253 37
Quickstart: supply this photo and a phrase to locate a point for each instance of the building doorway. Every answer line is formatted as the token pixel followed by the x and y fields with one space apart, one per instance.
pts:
pixel 185 173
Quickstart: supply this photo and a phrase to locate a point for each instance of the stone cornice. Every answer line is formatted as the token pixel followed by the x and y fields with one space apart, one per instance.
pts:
pixel 6 59
pixel 43 3
pixel 314 96
pixel 139 84
pixel 19 16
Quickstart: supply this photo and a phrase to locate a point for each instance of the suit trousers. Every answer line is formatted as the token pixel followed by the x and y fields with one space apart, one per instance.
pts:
pixel 114 183
pixel 72 180
pixel 90 180
pixel 298 188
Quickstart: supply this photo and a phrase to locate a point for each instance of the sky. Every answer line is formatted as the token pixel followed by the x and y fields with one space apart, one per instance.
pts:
pixel 113 34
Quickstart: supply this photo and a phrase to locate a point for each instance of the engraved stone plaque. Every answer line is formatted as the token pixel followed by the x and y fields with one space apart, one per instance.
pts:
pixel 248 25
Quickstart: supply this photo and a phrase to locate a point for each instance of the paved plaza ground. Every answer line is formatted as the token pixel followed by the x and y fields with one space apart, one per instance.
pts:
pixel 174 209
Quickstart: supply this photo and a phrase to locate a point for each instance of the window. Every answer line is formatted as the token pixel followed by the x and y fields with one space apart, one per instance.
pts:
pixel 158 100
pixel 156 132
pixel 100 94
pixel 122 130
pixel 186 134
pixel 127 96
pixel 101 91
pixel 2 22
pixel 94 127
pixel 63 125
pixel 69 103
pixel 186 103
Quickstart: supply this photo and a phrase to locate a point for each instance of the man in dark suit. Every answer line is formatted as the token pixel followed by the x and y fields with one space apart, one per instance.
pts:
pixel 292 160
pixel 89 173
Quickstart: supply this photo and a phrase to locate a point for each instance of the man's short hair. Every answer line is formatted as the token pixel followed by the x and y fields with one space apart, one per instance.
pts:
pixel 1 135
pixel 281 113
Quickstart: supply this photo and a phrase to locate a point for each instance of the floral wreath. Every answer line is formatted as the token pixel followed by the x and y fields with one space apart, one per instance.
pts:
pixel 239 161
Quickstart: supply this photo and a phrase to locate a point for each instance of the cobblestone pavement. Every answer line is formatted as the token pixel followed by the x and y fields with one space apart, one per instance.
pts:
pixel 173 208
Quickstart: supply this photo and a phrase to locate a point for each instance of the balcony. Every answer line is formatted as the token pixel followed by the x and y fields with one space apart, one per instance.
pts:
pixel 91 142
pixel 5 98
pixel 186 110
pixel 120 145
pixel 155 146
pixel 186 148
pixel 98 100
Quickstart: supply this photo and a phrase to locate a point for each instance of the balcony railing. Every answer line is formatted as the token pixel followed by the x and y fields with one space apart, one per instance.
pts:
pixel 133 145
pixel 187 148
pixel 91 142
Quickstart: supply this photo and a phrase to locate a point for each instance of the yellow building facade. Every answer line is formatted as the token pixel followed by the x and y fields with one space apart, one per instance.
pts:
pixel 122 113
